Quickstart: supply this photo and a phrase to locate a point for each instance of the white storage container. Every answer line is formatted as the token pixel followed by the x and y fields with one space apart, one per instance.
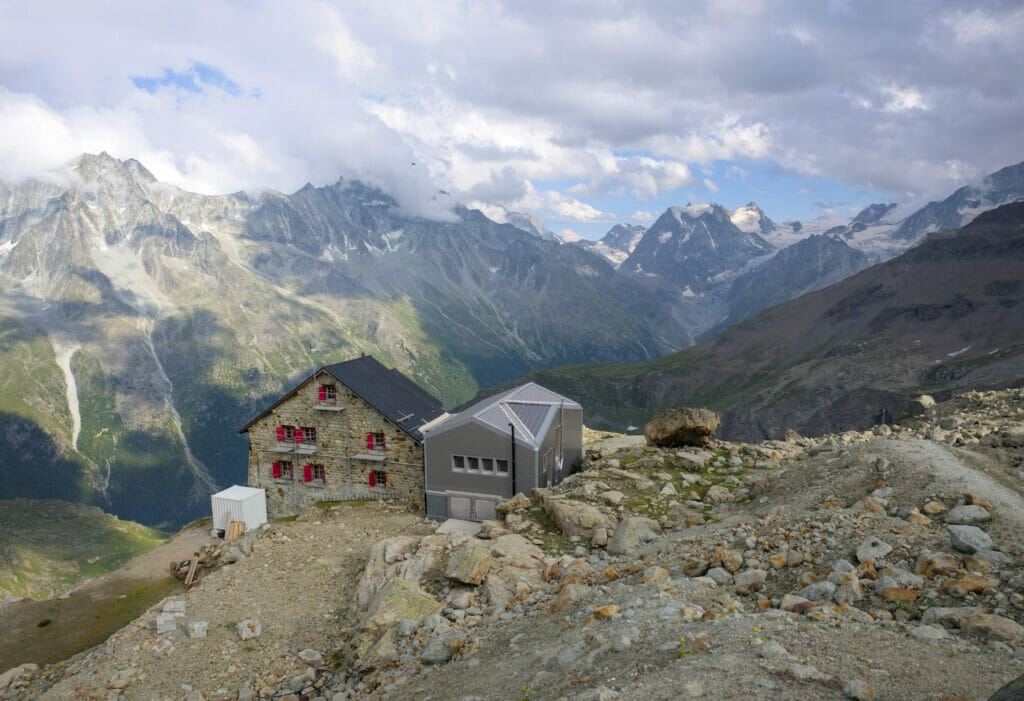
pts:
pixel 239 503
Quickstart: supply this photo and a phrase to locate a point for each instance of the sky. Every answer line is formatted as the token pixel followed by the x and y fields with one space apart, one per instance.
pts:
pixel 583 113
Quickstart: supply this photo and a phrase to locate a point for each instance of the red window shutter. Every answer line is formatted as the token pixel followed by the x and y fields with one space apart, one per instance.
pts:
pixel 369 441
pixel 298 435
pixel 323 392
pixel 277 470
pixel 307 473
pixel 372 479
pixel 280 433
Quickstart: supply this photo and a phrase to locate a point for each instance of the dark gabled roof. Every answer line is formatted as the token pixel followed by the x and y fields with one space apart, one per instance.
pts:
pixel 399 399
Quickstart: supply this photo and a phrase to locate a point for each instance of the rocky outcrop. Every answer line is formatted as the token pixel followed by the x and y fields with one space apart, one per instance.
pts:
pixel 682 427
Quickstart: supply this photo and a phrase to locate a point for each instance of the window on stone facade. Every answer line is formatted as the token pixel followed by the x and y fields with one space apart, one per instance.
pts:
pixel 314 473
pixel 377 479
pixel 375 441
pixel 285 433
pixel 328 393
pixel 306 435
pixel 283 470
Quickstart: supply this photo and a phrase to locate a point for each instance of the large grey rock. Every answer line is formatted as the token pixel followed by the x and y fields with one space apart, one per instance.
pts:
pixel 377 571
pixel 399 599
pixel 440 649
pixel 989 626
pixel 679 427
pixel 749 578
pixel 719 575
pixel 872 548
pixel 968 539
pixel 823 592
pixel 949 616
pixel 631 532
pixel 469 564
pixel 574 517
pixel 967 514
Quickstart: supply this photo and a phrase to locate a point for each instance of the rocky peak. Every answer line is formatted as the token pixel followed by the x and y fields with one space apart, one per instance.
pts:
pixel 873 213
pixel 752 219
pixel 695 246
pixel 623 237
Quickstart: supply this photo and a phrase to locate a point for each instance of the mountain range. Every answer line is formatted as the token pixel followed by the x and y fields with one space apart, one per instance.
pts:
pixel 141 325
pixel 943 317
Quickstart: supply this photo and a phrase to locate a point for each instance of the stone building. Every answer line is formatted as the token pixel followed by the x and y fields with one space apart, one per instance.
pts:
pixel 349 431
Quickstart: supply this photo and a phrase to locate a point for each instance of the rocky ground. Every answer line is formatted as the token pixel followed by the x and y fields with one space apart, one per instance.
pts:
pixel 885 565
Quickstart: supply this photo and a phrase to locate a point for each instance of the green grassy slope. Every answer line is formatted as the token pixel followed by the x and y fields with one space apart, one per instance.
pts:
pixel 48 546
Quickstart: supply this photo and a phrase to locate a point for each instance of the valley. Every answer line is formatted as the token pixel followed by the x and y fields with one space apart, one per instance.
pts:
pixel 142 325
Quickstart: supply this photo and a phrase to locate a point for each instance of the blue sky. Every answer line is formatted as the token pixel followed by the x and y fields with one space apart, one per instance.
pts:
pixel 580 114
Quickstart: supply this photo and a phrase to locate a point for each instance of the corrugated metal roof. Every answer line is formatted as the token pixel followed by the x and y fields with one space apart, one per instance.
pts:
pixel 529 407
pixel 532 415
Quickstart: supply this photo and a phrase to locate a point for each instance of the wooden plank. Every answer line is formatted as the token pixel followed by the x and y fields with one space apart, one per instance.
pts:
pixel 192 570
pixel 236 529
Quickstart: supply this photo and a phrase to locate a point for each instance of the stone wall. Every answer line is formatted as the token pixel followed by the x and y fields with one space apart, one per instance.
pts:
pixel 340 437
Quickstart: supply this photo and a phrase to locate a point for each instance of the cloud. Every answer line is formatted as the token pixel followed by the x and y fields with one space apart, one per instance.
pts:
pixel 516 104
pixel 643 216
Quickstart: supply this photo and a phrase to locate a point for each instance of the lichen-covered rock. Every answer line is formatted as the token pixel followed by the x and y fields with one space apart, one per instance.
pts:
pixel 398 599
pixel 382 554
pixel 680 427
pixel 575 517
pixel 630 533
pixel 517 503
pixel 469 564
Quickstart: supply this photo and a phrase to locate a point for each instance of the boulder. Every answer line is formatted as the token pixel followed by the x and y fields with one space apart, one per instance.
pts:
pixel 382 554
pixel 397 600
pixel 374 653
pixel 872 549
pixel 630 533
pixel 968 539
pixel 967 514
pixel 681 427
pixel 575 517
pixel 949 616
pixel 514 550
pixel 517 503
pixel 990 626
pixel 930 564
pixel 718 494
pixel 468 564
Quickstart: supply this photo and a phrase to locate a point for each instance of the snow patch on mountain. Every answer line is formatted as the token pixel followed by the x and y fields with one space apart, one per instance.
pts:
pixel 64 348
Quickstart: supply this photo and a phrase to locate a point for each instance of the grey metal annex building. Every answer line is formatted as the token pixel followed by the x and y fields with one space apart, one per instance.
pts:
pixel 512 442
